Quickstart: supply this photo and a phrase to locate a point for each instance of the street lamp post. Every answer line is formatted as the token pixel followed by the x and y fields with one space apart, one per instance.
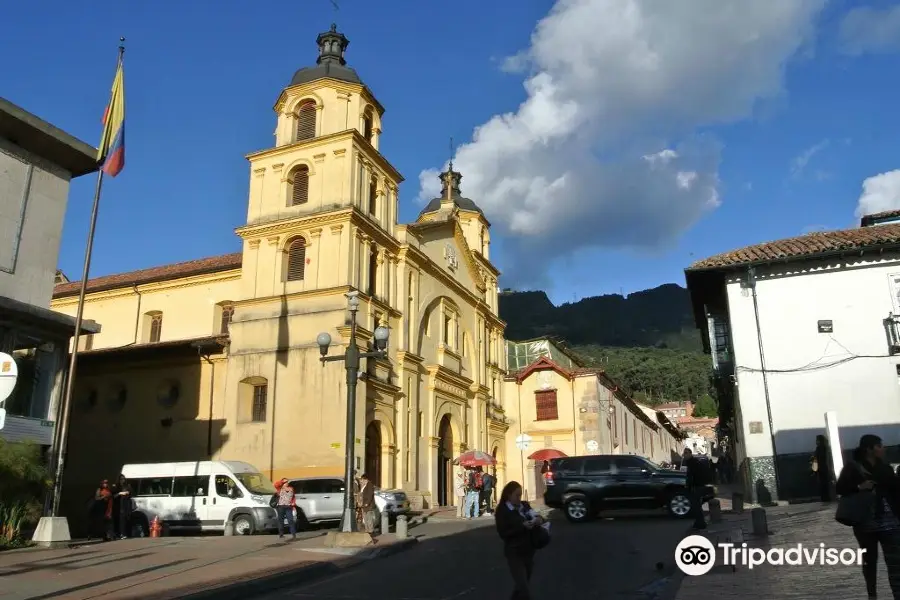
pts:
pixel 351 364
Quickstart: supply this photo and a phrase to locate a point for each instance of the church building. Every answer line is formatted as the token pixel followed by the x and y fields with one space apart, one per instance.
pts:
pixel 217 358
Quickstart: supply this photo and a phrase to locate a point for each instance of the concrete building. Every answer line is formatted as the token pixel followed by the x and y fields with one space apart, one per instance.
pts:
pixel 217 358
pixel 798 327
pixel 558 403
pixel 37 161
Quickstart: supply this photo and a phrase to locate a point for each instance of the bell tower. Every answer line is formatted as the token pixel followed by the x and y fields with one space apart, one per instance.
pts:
pixel 323 173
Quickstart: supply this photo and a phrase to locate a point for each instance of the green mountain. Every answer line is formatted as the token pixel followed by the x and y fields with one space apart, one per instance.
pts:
pixel 646 341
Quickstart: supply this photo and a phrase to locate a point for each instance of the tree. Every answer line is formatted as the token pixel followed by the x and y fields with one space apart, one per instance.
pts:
pixel 706 407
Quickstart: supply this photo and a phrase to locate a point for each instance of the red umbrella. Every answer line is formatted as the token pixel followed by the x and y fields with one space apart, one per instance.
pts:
pixel 546 454
pixel 475 458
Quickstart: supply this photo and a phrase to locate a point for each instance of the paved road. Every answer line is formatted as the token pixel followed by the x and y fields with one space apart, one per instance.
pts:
pixel 598 560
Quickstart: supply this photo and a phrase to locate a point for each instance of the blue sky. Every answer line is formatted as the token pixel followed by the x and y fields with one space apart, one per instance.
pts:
pixel 201 84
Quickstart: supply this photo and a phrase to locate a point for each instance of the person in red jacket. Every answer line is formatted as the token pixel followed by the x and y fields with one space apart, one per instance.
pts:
pixel 285 508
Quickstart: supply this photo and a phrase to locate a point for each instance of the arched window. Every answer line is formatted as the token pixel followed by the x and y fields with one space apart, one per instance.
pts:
pixel 300 185
pixel 227 313
pixel 306 121
pixel 373 196
pixel 296 260
pixel 368 126
pixel 152 330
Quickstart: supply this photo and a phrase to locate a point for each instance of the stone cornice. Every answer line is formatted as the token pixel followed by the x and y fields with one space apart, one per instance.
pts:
pixel 327 82
pixel 334 291
pixel 276 151
pixel 364 148
pixel 294 225
pixel 442 373
pixel 405 356
pixel 383 387
pixel 156 286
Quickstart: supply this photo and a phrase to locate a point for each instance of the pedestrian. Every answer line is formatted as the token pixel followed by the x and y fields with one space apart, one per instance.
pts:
pixel 101 512
pixel 869 471
pixel 515 521
pixel 470 509
pixel 698 477
pixel 459 490
pixel 821 466
pixel 367 503
pixel 122 508
pixel 285 507
pixel 487 490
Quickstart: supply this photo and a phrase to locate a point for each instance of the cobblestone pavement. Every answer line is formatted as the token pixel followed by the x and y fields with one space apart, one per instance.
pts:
pixel 608 558
pixel 807 524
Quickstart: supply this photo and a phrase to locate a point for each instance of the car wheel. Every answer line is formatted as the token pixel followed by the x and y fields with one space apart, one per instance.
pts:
pixel 243 525
pixel 577 510
pixel 679 505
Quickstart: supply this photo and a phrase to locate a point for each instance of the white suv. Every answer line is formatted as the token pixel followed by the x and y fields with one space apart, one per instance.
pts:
pixel 321 499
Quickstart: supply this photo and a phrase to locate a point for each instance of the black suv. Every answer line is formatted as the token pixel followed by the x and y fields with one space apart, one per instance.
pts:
pixel 584 485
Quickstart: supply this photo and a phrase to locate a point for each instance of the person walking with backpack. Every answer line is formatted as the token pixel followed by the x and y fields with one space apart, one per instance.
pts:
pixel 698 477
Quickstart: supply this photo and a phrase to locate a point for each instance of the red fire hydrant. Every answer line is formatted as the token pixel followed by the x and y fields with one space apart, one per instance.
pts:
pixel 155 528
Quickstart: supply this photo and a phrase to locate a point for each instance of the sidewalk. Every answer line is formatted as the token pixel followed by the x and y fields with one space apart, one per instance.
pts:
pixel 807 524
pixel 176 567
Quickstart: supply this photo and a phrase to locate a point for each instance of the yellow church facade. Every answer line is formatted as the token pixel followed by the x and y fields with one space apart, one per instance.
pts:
pixel 217 358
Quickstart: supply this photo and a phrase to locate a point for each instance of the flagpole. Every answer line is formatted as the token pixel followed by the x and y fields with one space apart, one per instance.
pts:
pixel 63 425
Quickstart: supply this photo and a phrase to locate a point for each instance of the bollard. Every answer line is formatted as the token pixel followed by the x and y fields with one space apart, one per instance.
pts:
pixel 737 502
pixel 715 511
pixel 758 518
pixel 229 528
pixel 400 529
pixel 385 522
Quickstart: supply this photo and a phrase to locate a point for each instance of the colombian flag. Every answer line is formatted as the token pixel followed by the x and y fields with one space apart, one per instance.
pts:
pixel 111 153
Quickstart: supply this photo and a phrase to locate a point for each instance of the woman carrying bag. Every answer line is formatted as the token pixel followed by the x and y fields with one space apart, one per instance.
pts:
pixel 870 503
pixel 523 532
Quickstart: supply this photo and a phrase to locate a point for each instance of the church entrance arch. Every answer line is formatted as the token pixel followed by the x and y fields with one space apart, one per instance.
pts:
pixel 373 452
pixel 445 462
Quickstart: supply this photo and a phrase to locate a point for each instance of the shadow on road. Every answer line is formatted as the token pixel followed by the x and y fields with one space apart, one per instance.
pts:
pixel 604 558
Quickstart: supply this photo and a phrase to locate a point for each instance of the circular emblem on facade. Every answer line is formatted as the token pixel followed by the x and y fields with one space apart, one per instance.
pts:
pixel 593 446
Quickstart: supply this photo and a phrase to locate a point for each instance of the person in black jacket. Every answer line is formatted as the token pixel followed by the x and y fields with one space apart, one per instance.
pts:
pixel 697 479
pixel 515 520
pixel 868 471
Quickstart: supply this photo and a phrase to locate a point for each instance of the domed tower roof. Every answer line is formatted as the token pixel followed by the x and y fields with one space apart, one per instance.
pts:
pixel 450 182
pixel 331 63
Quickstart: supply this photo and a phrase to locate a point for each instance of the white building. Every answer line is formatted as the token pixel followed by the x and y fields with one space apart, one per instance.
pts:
pixel 37 161
pixel 798 327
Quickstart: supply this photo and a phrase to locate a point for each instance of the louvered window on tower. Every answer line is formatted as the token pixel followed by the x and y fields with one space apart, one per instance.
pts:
pixel 296 260
pixel 306 121
pixel 300 186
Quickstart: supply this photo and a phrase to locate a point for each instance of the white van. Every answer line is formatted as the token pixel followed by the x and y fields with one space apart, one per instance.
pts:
pixel 201 496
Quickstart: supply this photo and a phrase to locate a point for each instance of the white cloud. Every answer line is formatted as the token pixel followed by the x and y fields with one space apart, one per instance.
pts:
pixel 879 193
pixel 870 30
pixel 802 160
pixel 604 151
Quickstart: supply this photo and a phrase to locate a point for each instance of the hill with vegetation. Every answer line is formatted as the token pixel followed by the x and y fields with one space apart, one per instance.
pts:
pixel 646 341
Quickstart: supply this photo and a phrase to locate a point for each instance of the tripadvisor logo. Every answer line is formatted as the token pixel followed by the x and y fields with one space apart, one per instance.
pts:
pixel 696 555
